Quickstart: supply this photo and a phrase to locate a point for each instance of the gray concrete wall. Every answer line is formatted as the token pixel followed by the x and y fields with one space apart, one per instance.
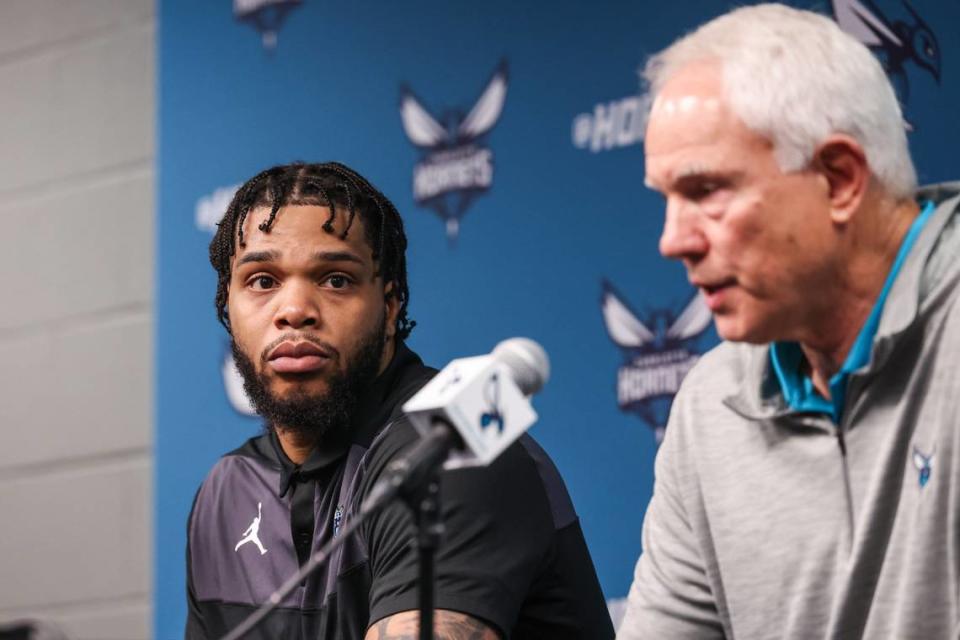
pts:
pixel 76 225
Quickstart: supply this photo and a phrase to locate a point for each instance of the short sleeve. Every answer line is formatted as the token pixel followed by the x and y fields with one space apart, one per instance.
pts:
pixel 497 529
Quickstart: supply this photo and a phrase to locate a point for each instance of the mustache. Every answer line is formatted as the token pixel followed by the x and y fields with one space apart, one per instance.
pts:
pixel 295 336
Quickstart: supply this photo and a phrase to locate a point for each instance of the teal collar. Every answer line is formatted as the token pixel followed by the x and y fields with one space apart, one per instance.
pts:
pixel 787 358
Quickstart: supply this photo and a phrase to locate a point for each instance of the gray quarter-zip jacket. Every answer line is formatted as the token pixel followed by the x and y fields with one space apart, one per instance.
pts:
pixel 769 523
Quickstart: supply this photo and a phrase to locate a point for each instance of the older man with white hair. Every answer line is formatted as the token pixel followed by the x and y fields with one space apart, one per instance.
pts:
pixel 808 485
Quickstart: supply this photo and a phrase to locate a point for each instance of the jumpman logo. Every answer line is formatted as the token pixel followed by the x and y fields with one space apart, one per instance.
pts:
pixel 250 535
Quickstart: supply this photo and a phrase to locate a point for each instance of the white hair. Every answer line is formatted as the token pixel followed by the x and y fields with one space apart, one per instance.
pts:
pixel 795 77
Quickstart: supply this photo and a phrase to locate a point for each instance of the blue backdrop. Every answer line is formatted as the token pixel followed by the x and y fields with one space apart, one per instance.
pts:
pixel 545 180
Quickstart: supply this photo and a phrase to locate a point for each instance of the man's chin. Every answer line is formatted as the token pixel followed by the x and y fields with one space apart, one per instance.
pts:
pixel 734 329
pixel 300 386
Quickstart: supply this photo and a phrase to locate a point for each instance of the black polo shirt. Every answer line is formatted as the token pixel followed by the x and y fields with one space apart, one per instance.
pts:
pixel 512 553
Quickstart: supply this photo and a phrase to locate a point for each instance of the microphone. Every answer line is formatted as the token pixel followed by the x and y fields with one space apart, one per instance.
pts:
pixel 477 407
pixel 467 415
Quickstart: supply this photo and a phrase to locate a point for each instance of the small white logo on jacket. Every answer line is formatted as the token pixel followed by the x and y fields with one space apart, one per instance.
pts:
pixel 924 465
pixel 251 534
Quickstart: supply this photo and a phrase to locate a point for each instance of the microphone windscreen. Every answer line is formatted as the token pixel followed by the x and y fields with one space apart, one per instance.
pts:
pixel 527 361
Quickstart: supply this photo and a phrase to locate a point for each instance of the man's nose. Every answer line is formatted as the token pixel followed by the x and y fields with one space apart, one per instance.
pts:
pixel 682 235
pixel 298 306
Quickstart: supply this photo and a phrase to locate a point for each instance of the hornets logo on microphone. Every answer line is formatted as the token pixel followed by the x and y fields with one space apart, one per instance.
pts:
pixel 659 351
pixel 493 416
pixel 456 166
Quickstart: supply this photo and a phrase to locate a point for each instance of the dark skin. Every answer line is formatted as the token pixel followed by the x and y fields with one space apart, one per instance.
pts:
pixel 299 280
pixel 448 625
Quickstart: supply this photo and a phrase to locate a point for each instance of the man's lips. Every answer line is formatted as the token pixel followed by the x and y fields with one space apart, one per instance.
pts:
pixel 714 291
pixel 298 357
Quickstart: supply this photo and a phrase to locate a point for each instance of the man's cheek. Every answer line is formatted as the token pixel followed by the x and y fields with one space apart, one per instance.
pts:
pixel 251 354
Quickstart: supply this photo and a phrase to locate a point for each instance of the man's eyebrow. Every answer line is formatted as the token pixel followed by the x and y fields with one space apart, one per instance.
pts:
pixel 337 256
pixel 694 175
pixel 257 256
pixel 698 170
pixel 691 171
pixel 711 175
pixel 319 256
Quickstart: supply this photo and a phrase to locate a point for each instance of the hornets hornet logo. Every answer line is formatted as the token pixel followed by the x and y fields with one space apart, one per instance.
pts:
pixel 897 43
pixel 493 416
pixel 266 16
pixel 658 351
pixel 456 166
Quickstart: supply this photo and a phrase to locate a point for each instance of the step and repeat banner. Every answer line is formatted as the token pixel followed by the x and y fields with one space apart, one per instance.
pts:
pixel 510 137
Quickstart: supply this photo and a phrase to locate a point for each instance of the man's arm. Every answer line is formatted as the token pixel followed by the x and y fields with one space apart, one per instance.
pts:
pixel 484 569
pixel 671 595
pixel 448 625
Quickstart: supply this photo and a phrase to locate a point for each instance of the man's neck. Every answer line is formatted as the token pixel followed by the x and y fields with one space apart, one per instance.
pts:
pixel 865 274
pixel 295 446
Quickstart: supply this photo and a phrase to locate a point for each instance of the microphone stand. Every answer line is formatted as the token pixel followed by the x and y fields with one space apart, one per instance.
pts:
pixel 425 504
pixel 421 492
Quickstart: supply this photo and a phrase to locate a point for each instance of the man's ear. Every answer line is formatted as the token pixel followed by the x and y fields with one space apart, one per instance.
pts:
pixel 842 162
pixel 392 302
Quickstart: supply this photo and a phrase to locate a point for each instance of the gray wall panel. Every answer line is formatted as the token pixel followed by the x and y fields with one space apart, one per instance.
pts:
pixel 89 249
pixel 128 622
pixel 76 204
pixel 86 537
pixel 83 394
pixel 77 110
pixel 30 25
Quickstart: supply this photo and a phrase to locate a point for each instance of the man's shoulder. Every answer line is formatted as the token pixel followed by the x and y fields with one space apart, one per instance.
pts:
pixel 394 438
pixel 524 469
pixel 728 382
pixel 532 456
pixel 247 464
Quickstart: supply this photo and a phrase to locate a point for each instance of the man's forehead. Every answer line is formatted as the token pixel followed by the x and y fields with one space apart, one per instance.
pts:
pixel 693 131
pixel 700 77
pixel 681 104
pixel 304 228
pixel 260 213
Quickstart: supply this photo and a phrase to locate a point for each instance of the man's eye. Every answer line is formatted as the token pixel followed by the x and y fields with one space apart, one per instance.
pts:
pixel 338 281
pixel 704 189
pixel 262 283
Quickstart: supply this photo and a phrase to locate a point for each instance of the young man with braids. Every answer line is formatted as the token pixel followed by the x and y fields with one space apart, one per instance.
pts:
pixel 313 291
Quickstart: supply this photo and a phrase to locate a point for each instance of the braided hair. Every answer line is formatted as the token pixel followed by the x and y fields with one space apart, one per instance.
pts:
pixel 328 184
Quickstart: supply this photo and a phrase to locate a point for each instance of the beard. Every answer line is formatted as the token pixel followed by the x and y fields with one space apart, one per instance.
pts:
pixel 319 416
